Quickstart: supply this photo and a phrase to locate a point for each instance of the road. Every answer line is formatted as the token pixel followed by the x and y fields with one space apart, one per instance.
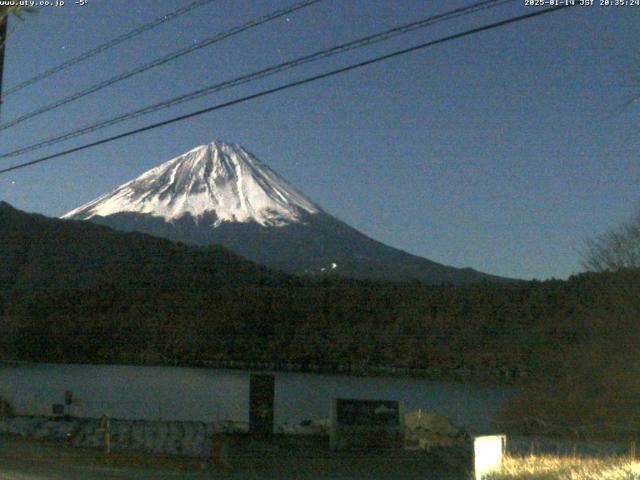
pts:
pixel 22 459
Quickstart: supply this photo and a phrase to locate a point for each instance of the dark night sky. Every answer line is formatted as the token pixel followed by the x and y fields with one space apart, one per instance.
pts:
pixel 502 151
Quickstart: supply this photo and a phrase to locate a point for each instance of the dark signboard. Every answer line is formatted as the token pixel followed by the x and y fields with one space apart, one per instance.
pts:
pixel 261 395
pixel 369 413
pixel 357 424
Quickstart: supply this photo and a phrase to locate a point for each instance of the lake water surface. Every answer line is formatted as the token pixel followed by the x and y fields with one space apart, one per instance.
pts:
pixel 207 394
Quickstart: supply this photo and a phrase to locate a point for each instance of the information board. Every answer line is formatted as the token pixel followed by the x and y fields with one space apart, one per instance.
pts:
pixel 368 412
pixel 357 424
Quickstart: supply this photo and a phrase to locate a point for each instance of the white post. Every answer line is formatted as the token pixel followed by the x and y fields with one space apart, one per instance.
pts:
pixel 487 454
pixel 105 427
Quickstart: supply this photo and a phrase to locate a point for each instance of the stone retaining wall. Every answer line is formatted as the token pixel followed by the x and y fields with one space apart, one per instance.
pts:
pixel 193 439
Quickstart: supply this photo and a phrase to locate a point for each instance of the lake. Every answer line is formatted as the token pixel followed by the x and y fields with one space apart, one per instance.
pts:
pixel 214 395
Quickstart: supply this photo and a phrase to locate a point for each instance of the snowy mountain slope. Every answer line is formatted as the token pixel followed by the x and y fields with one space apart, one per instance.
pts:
pixel 217 178
pixel 221 194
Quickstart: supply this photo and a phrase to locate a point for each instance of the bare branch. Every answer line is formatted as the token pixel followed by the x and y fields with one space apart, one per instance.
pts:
pixel 616 249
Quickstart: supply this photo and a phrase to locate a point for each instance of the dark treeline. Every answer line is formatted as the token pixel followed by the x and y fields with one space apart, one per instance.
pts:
pixel 78 292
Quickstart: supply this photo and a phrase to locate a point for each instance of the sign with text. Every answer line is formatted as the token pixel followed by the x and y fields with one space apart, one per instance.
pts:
pixel 368 412
pixel 366 424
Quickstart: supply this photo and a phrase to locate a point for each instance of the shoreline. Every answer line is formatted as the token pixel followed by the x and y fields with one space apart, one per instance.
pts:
pixel 500 377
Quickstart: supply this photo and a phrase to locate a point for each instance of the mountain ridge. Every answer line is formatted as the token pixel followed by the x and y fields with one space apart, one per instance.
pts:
pixel 216 177
pixel 220 193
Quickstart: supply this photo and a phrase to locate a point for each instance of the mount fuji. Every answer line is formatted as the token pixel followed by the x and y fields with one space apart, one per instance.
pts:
pixel 220 193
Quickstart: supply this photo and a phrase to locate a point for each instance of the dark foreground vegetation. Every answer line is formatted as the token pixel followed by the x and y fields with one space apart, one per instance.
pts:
pixel 78 292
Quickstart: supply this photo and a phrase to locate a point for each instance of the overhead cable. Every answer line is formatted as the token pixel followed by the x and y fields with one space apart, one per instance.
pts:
pixel 290 85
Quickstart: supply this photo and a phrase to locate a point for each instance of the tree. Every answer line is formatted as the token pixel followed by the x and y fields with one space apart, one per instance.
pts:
pixel 4 20
pixel 615 249
pixel 17 11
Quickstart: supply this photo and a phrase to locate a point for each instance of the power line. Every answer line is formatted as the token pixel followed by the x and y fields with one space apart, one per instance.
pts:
pixel 274 69
pixel 161 61
pixel 290 85
pixel 107 45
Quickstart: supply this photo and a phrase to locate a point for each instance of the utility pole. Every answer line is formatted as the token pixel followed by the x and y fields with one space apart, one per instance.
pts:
pixel 3 40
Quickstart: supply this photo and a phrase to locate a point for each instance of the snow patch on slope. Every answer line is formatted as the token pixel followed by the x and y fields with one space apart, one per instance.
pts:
pixel 216 178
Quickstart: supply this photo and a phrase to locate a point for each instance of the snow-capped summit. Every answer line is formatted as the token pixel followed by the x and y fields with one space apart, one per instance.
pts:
pixel 222 194
pixel 218 178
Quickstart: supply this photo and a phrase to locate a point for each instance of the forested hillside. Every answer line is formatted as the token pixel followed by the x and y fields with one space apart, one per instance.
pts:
pixel 78 292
